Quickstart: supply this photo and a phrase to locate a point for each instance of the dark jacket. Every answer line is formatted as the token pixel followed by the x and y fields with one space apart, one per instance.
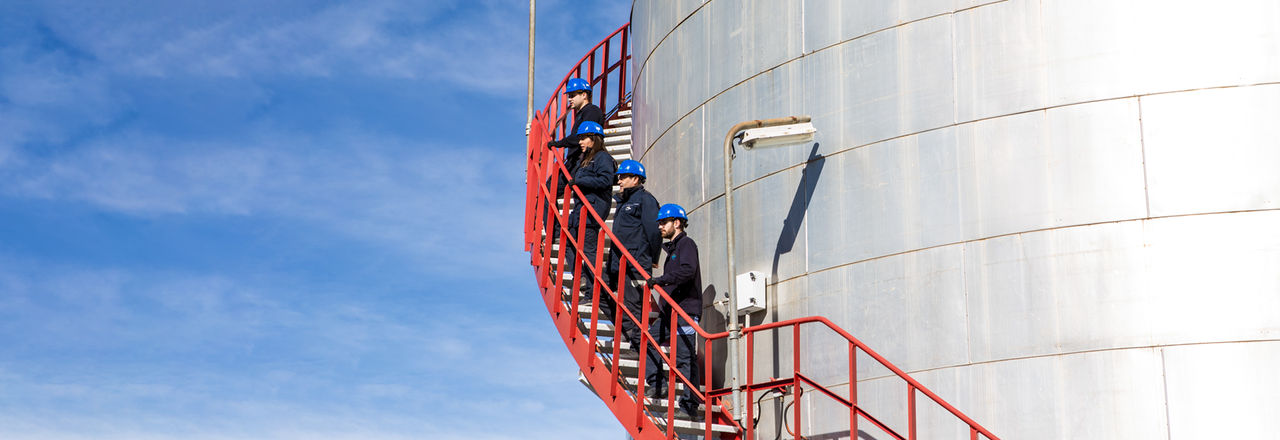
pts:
pixel 596 181
pixel 681 275
pixel 588 112
pixel 636 226
pixel 572 152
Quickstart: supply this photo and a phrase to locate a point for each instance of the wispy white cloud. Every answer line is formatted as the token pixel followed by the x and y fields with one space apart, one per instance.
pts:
pixel 427 200
pixel 208 363
pixel 477 45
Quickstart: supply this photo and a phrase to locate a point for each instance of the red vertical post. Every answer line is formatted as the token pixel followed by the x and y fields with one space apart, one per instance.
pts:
pixel 911 412
pixel 617 329
pixel 795 351
pixel 750 378
pixel 674 344
pixel 795 375
pixel 604 77
pixel 853 391
pixel 591 71
pixel 622 70
pixel 706 387
pixel 642 322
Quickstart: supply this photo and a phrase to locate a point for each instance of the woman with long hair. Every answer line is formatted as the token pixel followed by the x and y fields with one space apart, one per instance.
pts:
pixel 594 177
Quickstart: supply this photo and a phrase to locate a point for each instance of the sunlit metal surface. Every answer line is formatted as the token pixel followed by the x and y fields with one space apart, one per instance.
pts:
pixel 1036 205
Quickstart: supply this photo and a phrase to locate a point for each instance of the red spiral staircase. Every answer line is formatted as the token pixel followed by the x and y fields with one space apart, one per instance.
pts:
pixel 590 336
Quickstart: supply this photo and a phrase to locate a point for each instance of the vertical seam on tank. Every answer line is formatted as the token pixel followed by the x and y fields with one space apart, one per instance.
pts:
pixel 955 76
pixel 964 287
pixel 1164 384
pixel 1142 144
pixel 702 196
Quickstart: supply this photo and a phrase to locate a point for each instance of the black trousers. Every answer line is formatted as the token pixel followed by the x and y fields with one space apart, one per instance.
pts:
pixel 631 300
pixel 590 238
pixel 686 356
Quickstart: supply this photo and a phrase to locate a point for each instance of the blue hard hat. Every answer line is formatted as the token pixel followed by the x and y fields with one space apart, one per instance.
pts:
pixel 577 85
pixel 671 210
pixel 630 167
pixel 590 127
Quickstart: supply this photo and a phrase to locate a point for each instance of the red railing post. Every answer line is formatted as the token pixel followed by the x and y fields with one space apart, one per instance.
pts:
pixel 853 391
pixel 604 77
pixel 911 412
pixel 622 69
pixel 642 322
pixel 674 345
pixel 751 352
pixel 795 376
pixel 706 380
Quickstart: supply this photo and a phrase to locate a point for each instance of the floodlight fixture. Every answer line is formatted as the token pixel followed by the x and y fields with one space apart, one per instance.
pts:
pixel 778 135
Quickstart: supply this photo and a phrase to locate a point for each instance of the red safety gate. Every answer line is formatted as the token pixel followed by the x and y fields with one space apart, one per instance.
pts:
pixel 587 335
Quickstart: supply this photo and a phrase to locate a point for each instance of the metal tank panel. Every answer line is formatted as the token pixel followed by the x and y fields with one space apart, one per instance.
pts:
pixel 682 179
pixel 1058 214
pixel 1223 390
pixel 1000 66
pixel 1063 166
pixel 764 96
pixel 752 36
pixel 768 208
pixel 886 198
pixel 1222 159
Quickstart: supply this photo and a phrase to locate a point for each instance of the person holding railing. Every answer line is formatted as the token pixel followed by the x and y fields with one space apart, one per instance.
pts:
pixel 682 280
pixel 579 91
pixel 594 176
pixel 635 224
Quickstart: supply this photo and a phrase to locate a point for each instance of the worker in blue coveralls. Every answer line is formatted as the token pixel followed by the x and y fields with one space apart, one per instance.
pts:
pixel 682 280
pixel 594 176
pixel 635 224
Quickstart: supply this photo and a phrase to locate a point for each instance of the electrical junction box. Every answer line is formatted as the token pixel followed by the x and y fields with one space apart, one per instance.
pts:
pixel 750 288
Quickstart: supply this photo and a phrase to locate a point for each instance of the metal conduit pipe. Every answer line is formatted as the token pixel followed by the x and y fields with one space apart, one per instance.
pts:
pixel 735 332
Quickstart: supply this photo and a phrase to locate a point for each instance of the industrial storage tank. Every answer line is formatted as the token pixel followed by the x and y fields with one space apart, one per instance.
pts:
pixel 1060 215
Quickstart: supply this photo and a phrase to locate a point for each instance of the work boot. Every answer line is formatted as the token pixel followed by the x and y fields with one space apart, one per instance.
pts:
pixel 693 415
pixel 655 391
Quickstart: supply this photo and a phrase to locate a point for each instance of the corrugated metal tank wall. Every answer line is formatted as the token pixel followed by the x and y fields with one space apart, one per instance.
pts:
pixel 1061 215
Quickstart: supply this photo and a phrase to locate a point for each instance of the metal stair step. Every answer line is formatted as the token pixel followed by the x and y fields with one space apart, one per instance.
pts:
pixel 634 364
pixel 608 223
pixel 556 259
pixel 603 329
pixel 694 428
pixel 615 130
pixel 663 403
pixel 624 113
pixel 607 346
pixel 620 122
pixel 616 140
pixel 612 209
pixel 584 311
pixel 631 382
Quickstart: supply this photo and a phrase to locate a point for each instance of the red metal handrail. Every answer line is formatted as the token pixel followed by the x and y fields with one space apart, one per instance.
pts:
pixel 542 217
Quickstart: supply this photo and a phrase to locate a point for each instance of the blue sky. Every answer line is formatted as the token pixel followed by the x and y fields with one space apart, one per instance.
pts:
pixel 277 220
